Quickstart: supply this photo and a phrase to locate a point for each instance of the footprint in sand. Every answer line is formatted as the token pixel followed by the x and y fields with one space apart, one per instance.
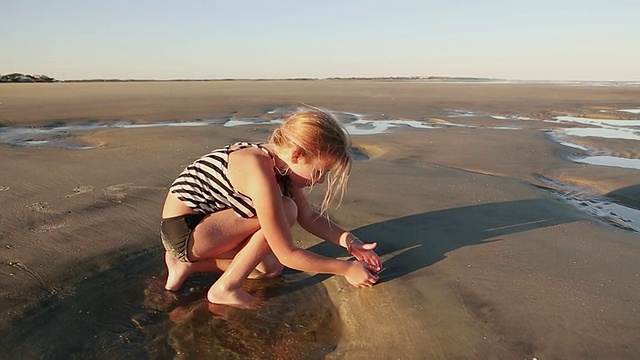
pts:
pixel 49 227
pixel 119 191
pixel 4 188
pixel 42 207
pixel 45 208
pixel 80 190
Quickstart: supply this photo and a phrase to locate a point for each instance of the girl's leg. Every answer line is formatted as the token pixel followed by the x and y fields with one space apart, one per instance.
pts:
pixel 217 241
pixel 255 256
pixel 269 267
pixel 228 289
pixel 179 271
pixel 217 234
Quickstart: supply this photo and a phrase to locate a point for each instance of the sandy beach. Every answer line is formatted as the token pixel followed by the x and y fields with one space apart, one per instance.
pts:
pixel 499 239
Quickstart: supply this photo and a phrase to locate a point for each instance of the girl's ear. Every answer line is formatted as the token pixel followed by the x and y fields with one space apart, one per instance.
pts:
pixel 296 155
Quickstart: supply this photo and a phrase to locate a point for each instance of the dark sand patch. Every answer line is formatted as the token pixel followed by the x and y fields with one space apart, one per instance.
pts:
pixel 125 312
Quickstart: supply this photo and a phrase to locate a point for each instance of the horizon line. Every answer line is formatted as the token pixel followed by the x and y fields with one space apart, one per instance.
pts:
pixel 302 78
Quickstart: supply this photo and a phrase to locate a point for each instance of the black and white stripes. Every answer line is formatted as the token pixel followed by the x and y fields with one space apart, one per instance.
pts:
pixel 205 187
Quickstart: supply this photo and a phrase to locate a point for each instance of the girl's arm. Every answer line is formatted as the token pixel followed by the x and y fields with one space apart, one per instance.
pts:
pixel 324 228
pixel 253 176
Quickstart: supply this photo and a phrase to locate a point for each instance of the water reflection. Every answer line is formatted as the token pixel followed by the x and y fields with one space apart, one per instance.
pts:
pixel 610 161
pixel 117 315
pixel 293 323
pixel 604 130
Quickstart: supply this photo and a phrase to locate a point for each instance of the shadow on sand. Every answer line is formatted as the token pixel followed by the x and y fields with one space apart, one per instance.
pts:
pixel 417 241
pixel 628 196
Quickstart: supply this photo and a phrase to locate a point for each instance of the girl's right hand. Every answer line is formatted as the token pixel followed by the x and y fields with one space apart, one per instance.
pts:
pixel 359 274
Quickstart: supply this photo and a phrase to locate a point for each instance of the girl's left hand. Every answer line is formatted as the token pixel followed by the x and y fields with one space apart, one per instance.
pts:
pixel 364 252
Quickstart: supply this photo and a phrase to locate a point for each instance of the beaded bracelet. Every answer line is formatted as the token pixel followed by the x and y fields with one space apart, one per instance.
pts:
pixel 350 242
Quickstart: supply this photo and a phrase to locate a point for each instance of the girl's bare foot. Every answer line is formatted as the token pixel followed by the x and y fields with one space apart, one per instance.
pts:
pixel 178 272
pixel 232 297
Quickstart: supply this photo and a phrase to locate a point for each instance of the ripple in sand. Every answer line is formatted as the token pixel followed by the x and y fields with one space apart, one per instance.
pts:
pixel 601 208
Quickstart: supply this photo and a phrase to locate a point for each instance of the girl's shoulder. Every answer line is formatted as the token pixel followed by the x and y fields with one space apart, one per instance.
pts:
pixel 244 154
pixel 250 168
pixel 241 145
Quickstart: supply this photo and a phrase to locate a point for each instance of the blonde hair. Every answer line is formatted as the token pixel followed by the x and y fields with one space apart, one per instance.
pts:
pixel 318 136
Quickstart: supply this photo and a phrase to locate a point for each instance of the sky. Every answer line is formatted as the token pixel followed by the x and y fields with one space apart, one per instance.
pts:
pixel 207 39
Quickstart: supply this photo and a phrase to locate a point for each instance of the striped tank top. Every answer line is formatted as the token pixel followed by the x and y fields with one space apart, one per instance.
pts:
pixel 204 185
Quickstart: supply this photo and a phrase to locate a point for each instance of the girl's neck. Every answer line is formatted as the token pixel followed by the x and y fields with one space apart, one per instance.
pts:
pixel 280 166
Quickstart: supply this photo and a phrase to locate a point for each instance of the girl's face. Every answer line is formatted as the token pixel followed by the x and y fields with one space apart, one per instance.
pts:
pixel 308 172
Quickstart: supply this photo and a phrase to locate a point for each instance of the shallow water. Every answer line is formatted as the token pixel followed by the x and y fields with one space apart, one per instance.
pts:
pixel 605 160
pixel 108 317
pixel 66 136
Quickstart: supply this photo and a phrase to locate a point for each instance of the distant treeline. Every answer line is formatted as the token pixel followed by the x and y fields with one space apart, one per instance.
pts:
pixel 17 77
pixel 26 78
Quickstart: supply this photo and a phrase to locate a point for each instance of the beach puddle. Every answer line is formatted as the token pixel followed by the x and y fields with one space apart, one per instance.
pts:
pixel 599 207
pixel 606 129
pixel 60 135
pixel 609 132
pixel 359 154
pixel 605 160
pixel 124 312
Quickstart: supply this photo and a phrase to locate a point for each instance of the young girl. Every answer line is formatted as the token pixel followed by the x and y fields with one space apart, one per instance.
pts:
pixel 232 210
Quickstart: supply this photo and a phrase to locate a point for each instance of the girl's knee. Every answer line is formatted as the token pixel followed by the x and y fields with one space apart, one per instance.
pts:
pixel 273 270
pixel 268 268
pixel 290 209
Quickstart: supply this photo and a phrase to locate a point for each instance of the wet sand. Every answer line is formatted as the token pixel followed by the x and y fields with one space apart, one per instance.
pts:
pixel 484 255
